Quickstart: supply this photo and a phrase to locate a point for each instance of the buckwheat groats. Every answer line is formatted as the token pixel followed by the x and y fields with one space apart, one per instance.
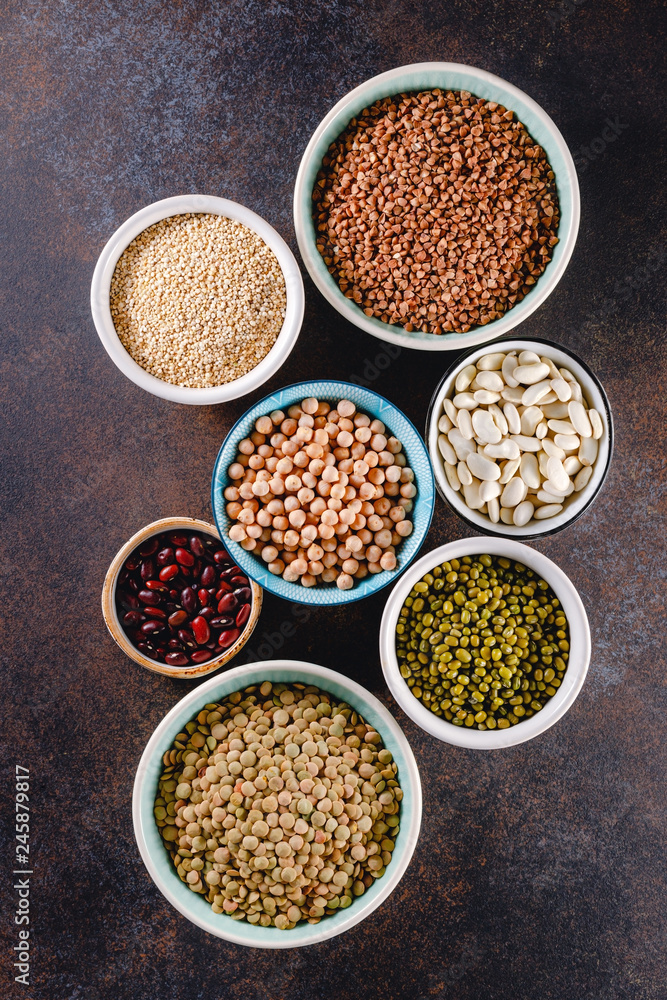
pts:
pixel 198 300
pixel 436 211
pixel 279 805
pixel 321 494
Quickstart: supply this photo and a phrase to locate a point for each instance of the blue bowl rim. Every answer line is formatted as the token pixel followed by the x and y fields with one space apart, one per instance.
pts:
pixel 306 595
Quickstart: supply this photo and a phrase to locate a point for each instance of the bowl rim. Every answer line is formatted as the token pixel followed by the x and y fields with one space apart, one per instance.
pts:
pixel 590 492
pixel 308 595
pixel 580 645
pixel 209 205
pixel 279 670
pixel 116 630
pixel 326 284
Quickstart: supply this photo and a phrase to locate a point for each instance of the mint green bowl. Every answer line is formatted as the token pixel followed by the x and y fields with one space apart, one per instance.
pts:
pixel 154 853
pixel 445 76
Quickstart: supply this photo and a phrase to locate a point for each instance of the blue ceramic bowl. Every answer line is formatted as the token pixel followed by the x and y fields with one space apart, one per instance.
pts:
pixel 443 76
pixel 418 460
pixel 158 862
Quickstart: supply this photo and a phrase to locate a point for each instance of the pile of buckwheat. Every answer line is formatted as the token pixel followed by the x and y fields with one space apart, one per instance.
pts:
pixel 279 804
pixel 198 300
pixel 436 211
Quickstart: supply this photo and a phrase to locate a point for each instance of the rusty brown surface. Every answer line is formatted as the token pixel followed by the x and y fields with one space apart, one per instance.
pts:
pixel 539 872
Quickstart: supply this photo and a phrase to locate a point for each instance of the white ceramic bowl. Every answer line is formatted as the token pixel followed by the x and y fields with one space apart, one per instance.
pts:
pixel 148 216
pixel 554 709
pixel 446 76
pixel 574 505
pixel 158 862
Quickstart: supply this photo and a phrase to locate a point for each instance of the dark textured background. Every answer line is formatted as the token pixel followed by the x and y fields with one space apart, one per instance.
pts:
pixel 540 870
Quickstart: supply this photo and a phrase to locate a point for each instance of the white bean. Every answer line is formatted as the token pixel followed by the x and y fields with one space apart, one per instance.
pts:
pixel 513 419
pixel 484 398
pixel 553 371
pixel 530 472
pixel 535 393
pixel 555 410
pixel 464 399
pixel 482 468
pixel 505 449
pixel 446 450
pixel 444 423
pixel 526 443
pixel 472 497
pixel 549 510
pixel 514 492
pixel 465 377
pixel 508 470
pixel 465 424
pixel 461 446
pixel 499 417
pixel 452 476
pixel 579 418
pixel 572 465
pixel 552 449
pixel 528 358
pixel 464 474
pixel 530 374
pixel 523 513
pixel 561 388
pixel 557 474
pixel 596 423
pixel 485 427
pixel 513 395
pixel 450 410
pixel 491 362
pixel 490 380
pixel 561 426
pixel 541 430
pixel 530 418
pixel 567 442
pixel 507 515
pixel 508 366
pixel 489 490
pixel 588 451
pixel 550 489
pixel 494 510
pixel 582 478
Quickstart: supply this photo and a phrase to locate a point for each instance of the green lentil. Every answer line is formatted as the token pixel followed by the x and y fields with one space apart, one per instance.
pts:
pixel 237 768
pixel 487 647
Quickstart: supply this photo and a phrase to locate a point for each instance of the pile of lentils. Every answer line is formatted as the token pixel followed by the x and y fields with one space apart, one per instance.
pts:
pixel 322 493
pixel 198 300
pixel 181 599
pixel 436 211
pixel 279 805
pixel 482 641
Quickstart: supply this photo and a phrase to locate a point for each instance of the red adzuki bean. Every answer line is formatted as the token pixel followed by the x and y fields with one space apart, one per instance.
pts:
pixel 181 600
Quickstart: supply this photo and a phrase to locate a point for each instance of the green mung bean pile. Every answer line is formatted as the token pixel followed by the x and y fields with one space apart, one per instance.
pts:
pixel 279 804
pixel 483 642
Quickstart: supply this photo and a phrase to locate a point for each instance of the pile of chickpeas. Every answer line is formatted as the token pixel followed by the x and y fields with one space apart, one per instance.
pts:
pixel 322 494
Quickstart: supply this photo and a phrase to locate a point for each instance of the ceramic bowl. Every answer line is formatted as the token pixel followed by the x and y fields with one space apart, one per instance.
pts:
pixel 158 862
pixel 574 505
pixel 148 216
pixel 446 76
pixel 118 633
pixel 554 709
pixel 417 456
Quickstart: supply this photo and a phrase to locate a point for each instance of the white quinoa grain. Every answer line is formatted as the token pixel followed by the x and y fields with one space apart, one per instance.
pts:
pixel 198 300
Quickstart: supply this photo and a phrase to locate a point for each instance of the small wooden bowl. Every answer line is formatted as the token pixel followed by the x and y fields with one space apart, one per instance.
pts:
pixel 116 629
